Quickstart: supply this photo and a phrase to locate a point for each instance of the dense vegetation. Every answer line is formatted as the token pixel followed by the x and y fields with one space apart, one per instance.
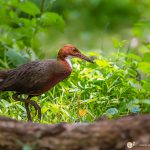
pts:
pixel 116 85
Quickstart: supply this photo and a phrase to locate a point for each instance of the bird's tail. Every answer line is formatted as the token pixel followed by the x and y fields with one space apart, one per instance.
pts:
pixel 3 76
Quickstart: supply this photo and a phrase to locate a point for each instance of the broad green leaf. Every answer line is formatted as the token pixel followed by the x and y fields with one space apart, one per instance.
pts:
pixel 144 67
pixel 6 103
pixel 15 58
pixel 13 3
pixel 133 56
pixel 49 19
pixel 55 108
pixel 21 107
pixel 29 8
pixel 26 22
pixel 44 109
pixel 102 63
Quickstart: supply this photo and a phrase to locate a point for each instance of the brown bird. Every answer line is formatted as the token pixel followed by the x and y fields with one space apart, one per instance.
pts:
pixel 37 77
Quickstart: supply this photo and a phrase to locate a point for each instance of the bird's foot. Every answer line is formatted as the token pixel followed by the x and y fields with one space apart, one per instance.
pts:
pixel 36 107
pixel 27 102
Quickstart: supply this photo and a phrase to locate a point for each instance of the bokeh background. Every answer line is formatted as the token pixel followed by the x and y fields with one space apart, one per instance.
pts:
pixel 91 25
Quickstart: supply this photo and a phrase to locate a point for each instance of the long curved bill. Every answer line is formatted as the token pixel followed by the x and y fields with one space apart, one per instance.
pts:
pixel 85 58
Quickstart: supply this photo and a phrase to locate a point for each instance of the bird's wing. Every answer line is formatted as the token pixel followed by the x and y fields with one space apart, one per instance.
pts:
pixel 28 76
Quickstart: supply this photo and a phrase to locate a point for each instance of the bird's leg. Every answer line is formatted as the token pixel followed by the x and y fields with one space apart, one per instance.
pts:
pixel 28 110
pixel 27 102
pixel 15 97
pixel 36 106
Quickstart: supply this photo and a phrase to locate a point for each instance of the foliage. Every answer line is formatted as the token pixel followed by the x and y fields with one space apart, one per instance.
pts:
pixel 22 24
pixel 111 87
pixel 114 86
pixel 103 14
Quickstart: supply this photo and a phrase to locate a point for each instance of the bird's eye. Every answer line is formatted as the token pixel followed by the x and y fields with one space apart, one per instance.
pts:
pixel 74 49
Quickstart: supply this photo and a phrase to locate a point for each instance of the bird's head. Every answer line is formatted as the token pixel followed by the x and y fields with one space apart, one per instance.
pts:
pixel 71 51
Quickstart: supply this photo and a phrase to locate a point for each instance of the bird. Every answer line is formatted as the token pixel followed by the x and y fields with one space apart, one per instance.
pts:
pixel 37 77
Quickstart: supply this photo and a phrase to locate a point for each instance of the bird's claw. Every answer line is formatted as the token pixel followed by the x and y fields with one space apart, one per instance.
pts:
pixel 36 107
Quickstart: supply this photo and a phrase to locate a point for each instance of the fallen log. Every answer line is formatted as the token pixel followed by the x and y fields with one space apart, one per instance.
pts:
pixel 120 134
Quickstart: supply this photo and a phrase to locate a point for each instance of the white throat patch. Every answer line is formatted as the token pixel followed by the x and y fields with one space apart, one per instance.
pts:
pixel 69 61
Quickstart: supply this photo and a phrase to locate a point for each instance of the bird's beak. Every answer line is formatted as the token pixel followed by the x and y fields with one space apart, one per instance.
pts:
pixel 80 55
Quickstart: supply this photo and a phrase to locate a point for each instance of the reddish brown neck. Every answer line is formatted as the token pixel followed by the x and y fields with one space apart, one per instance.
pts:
pixel 63 60
pixel 61 55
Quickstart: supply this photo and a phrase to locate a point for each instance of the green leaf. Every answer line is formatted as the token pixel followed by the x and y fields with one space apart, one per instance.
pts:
pixel 6 103
pixel 52 19
pixel 144 67
pixel 26 22
pixel 44 110
pixel 102 63
pixel 15 58
pixel 146 57
pixel 133 56
pixel 21 107
pixel 29 8
pixel 146 85
pixel 145 101
pixel 13 3
pixel 88 101
pixel 118 44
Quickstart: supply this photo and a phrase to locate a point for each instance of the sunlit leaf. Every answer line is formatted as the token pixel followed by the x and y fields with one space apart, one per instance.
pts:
pixel 88 100
pixel 44 109
pixel 29 8
pixel 65 112
pixel 21 107
pixel 144 67
pixel 102 63
pixel 6 103
pixel 133 56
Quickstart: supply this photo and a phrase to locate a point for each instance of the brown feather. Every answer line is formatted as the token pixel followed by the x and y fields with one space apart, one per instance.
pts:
pixel 34 78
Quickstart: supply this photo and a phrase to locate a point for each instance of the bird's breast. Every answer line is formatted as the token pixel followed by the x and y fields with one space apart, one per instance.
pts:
pixel 53 80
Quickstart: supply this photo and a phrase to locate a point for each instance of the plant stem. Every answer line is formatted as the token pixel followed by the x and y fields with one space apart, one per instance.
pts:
pixel 42 6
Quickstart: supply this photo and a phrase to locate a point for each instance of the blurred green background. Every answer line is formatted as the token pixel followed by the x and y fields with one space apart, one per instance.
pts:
pixel 90 25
